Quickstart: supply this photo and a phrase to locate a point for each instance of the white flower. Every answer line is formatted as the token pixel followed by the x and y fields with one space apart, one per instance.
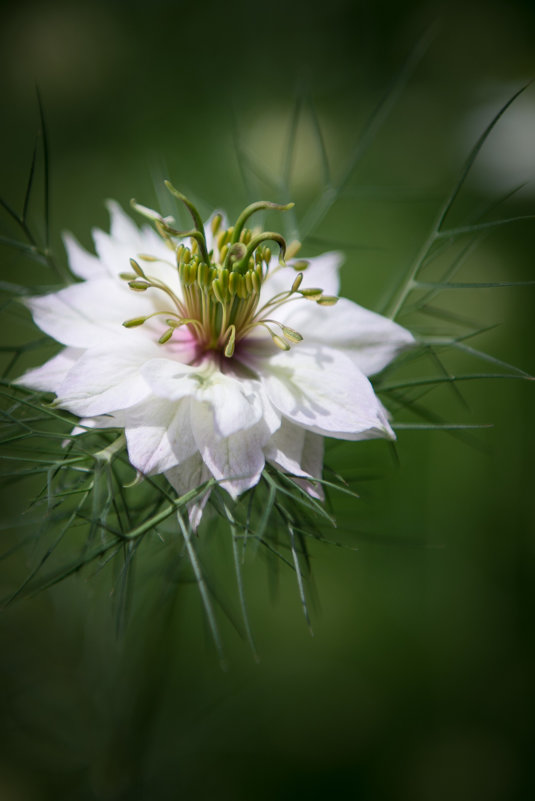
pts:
pixel 219 364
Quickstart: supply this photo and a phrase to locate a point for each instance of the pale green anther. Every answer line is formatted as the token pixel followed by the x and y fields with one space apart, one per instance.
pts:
pixel 267 255
pixel 312 293
pixel 137 269
pixel 127 276
pixel 138 286
pixel 217 290
pixel 301 264
pixel 280 343
pixel 222 239
pixel 293 249
pixel 256 280
pixel 192 272
pixel 229 347
pixel 203 274
pixel 233 282
pixel 258 206
pixel 166 336
pixel 297 283
pixel 134 322
pixel 242 287
pixel 216 222
pixel 147 257
pixel 223 254
pixel 186 255
pixel 293 336
pixel 179 253
pixel 327 300
pixel 249 282
pixel 223 278
pixel 174 323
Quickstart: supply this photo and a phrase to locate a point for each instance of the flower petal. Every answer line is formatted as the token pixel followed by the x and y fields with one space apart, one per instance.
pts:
pixel 126 241
pixel 50 375
pixel 323 391
pixel 82 263
pixel 369 339
pixel 236 461
pixel 236 403
pixel 299 452
pixel 106 380
pixel 186 477
pixel 158 434
pixel 89 314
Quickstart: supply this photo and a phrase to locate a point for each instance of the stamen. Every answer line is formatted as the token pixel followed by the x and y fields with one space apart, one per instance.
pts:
pixel 221 289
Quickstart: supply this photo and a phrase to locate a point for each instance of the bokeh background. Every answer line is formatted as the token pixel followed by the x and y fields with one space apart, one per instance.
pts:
pixel 418 683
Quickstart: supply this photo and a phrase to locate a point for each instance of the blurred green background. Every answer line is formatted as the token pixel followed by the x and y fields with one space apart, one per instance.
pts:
pixel 418 683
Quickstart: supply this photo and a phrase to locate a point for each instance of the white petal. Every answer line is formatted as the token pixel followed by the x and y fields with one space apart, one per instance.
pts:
pixel 298 452
pixel 285 447
pixel 51 374
pixel 172 379
pixel 89 314
pixel 188 476
pixel 370 339
pixel 105 381
pixel 322 390
pixel 104 421
pixel 158 433
pixel 312 464
pixel 236 403
pixel 82 263
pixel 236 461
pixel 126 241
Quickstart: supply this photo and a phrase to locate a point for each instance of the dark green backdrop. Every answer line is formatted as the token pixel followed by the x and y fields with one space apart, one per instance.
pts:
pixel 418 683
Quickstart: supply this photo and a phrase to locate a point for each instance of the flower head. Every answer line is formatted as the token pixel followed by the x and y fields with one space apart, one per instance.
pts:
pixel 214 356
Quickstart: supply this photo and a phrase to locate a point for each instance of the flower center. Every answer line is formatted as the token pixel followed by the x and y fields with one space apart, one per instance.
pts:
pixel 221 288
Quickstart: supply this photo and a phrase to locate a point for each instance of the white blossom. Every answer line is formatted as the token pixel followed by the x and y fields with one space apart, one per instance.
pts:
pixel 213 357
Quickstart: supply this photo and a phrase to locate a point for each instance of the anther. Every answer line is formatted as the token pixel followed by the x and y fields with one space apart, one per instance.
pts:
pixel 293 249
pixel 138 286
pixel 137 269
pixel 291 335
pixel 216 222
pixel 229 348
pixel 297 282
pixel 166 336
pixel 134 322
pixel 313 293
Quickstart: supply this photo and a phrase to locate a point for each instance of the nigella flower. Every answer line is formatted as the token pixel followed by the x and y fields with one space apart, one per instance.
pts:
pixel 214 357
